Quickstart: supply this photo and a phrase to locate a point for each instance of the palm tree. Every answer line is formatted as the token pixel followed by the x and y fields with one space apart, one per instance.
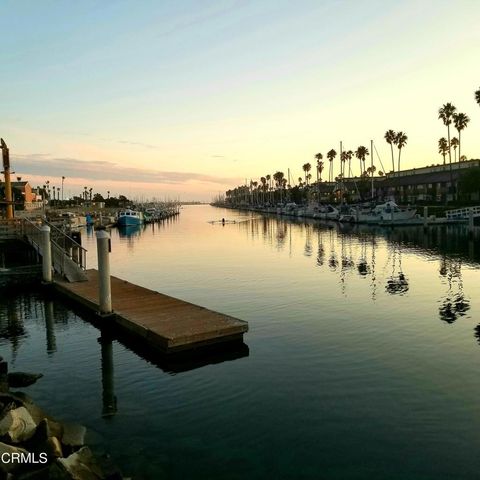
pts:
pixel 400 140
pixel 445 113
pixel 361 153
pixel 443 147
pixel 343 158
pixel 454 144
pixel 306 168
pixel 331 155
pixel 319 170
pixel 460 120
pixel 477 96
pixel 349 155
pixel 278 177
pixel 390 137
pixel 319 157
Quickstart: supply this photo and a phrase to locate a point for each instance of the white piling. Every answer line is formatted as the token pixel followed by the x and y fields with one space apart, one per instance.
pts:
pixel 46 254
pixel 104 286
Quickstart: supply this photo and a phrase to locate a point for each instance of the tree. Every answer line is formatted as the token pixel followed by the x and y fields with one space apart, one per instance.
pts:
pixel 349 156
pixel 331 155
pixel 319 158
pixel 390 137
pixel 361 153
pixel 477 96
pixel 343 159
pixel 400 140
pixel 445 113
pixel 443 147
pixel 454 144
pixel 278 177
pixel 306 168
pixel 469 182
pixel 460 120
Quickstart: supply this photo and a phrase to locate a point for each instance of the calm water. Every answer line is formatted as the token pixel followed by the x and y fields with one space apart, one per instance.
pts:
pixel 362 358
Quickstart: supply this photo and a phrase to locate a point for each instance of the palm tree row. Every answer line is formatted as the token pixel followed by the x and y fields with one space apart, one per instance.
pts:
pixel 278 183
pixel 396 138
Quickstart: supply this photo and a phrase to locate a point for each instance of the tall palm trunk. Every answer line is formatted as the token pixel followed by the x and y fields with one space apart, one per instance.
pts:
pixel 449 147
pixel 393 161
pixel 459 144
pixel 399 153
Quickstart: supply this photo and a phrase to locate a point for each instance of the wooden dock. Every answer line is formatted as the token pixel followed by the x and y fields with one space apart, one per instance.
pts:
pixel 164 322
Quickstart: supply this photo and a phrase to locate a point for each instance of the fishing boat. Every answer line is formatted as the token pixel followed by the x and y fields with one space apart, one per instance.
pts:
pixel 129 217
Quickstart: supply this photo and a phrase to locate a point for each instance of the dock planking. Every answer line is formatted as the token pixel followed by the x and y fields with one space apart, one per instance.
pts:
pixel 162 321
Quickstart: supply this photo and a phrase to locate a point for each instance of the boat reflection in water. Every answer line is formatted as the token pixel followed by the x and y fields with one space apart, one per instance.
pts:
pixel 360 249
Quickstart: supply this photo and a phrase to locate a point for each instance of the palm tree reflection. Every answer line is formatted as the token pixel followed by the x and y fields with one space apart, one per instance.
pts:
pixel 397 284
pixel 454 304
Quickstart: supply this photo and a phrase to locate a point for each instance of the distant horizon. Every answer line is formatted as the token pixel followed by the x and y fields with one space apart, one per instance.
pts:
pixel 188 100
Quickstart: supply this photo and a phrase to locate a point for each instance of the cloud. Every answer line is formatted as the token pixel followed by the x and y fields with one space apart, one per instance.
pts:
pixel 43 165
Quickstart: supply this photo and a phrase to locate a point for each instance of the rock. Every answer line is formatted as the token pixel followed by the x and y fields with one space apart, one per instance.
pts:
pixel 38 441
pixel 73 435
pixel 6 465
pixel 42 473
pixel 54 447
pixel 80 465
pixel 38 414
pixel 22 379
pixel 17 425
pixel 3 367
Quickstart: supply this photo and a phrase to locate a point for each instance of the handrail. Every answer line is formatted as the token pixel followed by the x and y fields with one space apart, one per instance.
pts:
pixel 70 249
pixel 462 212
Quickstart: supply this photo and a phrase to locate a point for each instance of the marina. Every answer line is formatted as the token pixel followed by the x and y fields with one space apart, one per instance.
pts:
pixel 379 327
pixel 240 240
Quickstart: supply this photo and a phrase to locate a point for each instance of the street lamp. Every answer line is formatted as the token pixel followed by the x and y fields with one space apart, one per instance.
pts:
pixel 63 179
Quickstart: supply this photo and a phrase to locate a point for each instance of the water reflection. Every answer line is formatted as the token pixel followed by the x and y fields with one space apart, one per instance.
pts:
pixel 454 304
pixel 109 400
pixel 348 250
pixel 23 312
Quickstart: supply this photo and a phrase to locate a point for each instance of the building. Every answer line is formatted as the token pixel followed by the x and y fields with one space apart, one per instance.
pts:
pixel 24 196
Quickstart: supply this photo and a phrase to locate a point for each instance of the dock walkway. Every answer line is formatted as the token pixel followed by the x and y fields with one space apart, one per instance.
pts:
pixel 164 322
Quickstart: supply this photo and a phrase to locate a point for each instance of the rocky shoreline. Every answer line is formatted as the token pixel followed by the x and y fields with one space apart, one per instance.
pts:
pixel 35 446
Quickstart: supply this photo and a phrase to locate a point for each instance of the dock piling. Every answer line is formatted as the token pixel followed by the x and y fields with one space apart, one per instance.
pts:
pixel 470 221
pixel 425 217
pixel 46 254
pixel 104 283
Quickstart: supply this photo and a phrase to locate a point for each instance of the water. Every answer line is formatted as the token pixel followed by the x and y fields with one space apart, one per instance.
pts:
pixel 362 358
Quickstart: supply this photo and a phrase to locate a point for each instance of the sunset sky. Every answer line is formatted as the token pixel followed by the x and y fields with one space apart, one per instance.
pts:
pixel 189 98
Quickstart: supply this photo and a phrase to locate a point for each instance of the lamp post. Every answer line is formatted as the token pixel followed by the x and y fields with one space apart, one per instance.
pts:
pixel 63 179
pixel 6 173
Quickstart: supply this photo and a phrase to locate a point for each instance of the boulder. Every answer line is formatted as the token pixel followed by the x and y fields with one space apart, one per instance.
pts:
pixel 22 379
pixel 73 435
pixel 17 425
pixel 80 465
pixel 5 454
pixel 38 414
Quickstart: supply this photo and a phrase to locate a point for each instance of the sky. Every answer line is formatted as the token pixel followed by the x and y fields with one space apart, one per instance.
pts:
pixel 188 98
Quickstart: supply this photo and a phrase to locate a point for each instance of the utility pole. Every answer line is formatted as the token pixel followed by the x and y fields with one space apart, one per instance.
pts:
pixel 8 184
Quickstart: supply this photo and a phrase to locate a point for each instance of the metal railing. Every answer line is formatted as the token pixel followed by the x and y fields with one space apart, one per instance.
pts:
pixel 463 212
pixel 64 247
pixel 10 229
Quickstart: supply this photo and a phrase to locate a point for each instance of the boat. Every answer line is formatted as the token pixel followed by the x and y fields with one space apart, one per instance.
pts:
pixel 129 217
pixel 384 212
pixel 326 212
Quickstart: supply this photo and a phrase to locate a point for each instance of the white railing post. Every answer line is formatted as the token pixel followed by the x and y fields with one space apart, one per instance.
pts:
pixel 46 254
pixel 104 285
